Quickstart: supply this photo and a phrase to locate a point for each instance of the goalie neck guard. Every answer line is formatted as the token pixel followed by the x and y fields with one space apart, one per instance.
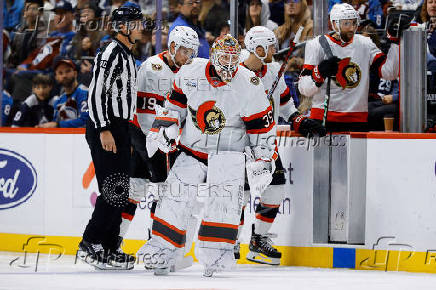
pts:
pixel 224 56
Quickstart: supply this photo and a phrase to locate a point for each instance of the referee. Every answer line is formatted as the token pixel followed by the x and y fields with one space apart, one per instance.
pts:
pixel 111 101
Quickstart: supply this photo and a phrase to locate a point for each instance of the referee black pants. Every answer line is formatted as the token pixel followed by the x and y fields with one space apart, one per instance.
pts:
pixel 112 173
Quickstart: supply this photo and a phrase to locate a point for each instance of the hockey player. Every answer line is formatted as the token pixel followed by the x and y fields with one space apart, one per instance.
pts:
pixel 155 78
pixel 223 105
pixel 112 99
pixel 354 57
pixel 261 43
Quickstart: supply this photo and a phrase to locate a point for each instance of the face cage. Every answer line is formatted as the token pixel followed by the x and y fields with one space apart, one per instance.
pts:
pixel 226 71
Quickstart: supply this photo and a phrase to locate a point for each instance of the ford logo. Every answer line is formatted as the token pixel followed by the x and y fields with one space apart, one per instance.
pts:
pixel 17 179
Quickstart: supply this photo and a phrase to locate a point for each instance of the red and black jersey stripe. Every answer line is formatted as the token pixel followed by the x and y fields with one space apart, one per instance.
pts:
pixel 377 64
pixel 218 232
pixel 285 96
pixel 168 232
pixel 177 97
pixel 261 122
pixel 145 104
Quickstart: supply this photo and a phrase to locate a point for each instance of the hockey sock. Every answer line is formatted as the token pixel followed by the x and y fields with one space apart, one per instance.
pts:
pixel 265 215
pixel 127 216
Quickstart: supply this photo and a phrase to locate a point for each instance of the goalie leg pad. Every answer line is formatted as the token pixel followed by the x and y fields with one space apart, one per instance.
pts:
pixel 174 207
pixel 223 207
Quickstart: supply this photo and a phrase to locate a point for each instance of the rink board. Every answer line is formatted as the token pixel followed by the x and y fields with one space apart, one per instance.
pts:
pixel 400 229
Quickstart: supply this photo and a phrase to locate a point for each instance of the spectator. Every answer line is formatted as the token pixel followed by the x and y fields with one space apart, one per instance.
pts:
pixel 383 104
pixel 89 32
pixel 276 7
pixel 213 15
pixel 428 15
pixel 164 38
pixel 71 109
pixel 189 11
pixel 296 14
pixel 28 35
pixel 6 108
pixel 253 16
pixel 12 10
pixel 58 42
pixel 37 109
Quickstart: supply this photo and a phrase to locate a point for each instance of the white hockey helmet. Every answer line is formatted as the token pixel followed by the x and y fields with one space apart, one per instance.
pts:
pixel 224 56
pixel 259 36
pixel 340 12
pixel 183 36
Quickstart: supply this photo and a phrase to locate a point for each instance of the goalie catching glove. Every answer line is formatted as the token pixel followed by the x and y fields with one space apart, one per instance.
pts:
pixel 164 131
pixel 307 127
pixel 260 168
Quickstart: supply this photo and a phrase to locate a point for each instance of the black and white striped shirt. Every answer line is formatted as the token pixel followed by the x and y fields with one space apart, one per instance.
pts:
pixel 112 92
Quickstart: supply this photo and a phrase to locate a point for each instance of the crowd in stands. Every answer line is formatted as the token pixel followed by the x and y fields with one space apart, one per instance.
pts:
pixel 49 47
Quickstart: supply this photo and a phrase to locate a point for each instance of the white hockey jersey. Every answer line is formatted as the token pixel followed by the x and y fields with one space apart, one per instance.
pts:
pixel 155 79
pixel 221 116
pixel 349 104
pixel 282 102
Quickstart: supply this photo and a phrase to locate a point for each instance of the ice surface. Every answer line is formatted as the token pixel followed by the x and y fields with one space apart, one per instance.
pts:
pixel 63 273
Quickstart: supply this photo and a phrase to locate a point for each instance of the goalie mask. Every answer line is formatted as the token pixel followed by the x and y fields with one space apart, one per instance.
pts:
pixel 183 36
pixel 224 56
pixel 342 12
pixel 260 36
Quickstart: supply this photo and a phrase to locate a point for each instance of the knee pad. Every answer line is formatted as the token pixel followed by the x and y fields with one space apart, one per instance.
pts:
pixel 273 194
pixel 137 190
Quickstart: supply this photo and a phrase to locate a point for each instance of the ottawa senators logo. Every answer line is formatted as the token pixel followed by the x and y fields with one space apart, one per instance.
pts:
pixel 208 118
pixel 350 75
pixel 156 66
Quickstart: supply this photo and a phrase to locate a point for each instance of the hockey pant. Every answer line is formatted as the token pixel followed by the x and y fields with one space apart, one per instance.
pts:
pixel 142 168
pixel 222 199
pixel 112 173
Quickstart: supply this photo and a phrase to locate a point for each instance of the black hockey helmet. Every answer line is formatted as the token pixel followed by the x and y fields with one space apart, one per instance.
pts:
pixel 127 12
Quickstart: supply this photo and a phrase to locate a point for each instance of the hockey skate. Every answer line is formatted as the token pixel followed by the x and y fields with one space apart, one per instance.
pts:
pixel 261 250
pixel 215 260
pixel 93 255
pixel 157 257
pixel 119 259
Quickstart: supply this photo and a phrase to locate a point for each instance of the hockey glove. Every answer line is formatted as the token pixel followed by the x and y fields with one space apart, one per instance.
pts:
pixel 397 23
pixel 327 68
pixel 307 127
pixel 164 131
pixel 259 170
